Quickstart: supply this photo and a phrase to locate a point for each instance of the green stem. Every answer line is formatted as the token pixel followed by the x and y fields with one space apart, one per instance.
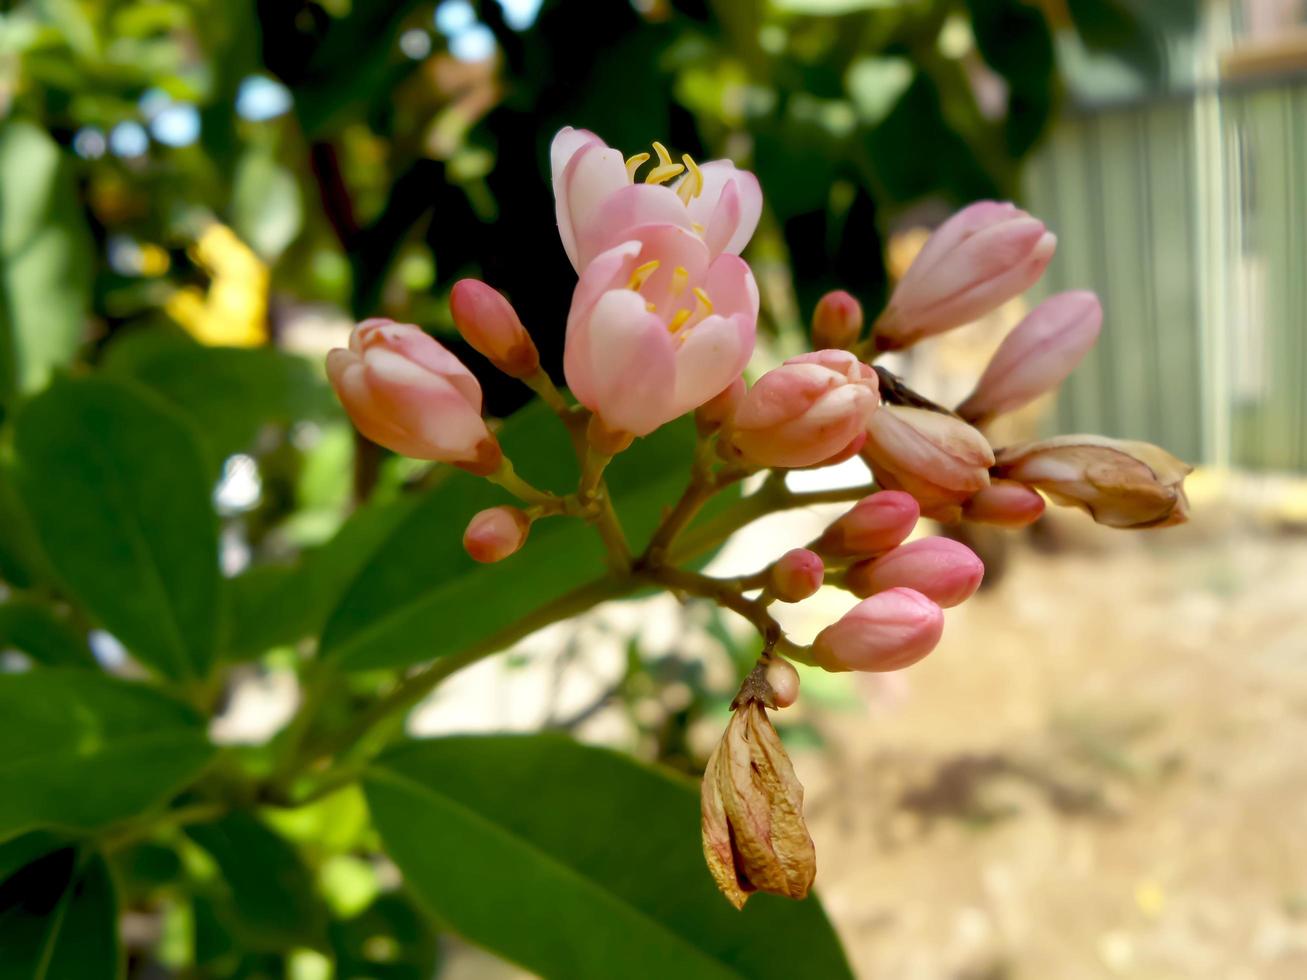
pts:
pixel 507 478
pixel 725 593
pixel 181 817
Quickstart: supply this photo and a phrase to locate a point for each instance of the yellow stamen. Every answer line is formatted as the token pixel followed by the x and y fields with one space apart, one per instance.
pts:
pixel 678 321
pixel 697 228
pixel 679 279
pixel 634 163
pixel 692 186
pixel 651 308
pixel 705 304
pixel 642 273
pixel 665 170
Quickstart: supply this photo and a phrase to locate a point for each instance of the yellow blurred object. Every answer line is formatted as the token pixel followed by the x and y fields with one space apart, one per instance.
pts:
pixel 1150 898
pixel 234 311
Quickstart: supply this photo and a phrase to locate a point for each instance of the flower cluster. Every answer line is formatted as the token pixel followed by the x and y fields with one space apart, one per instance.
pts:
pixel 662 324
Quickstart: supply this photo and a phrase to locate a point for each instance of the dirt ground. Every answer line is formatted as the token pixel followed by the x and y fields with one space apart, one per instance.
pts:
pixel 1100 773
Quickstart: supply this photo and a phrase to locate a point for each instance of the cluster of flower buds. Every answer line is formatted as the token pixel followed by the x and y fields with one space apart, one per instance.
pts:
pixel 662 323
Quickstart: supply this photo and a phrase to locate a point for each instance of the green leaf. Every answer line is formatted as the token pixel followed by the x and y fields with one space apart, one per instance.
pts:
pixel 229 393
pixel 1016 41
pixel 421 596
pixel 84 750
pixel 389 940
pixel 59 921
pixel 34 629
pixel 597 857
pixel 273 900
pixel 266 208
pixel 120 495
pixel 22 562
pixel 45 259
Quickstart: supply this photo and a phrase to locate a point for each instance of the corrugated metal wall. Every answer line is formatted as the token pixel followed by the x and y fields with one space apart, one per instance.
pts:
pixel 1149 205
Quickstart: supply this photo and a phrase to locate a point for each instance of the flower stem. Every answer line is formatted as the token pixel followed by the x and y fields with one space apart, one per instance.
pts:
pixel 507 478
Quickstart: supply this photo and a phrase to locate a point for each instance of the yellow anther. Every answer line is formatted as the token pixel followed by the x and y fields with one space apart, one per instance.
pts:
pixel 692 186
pixel 634 163
pixel 664 158
pixel 642 274
pixel 678 321
pixel 697 228
pixel 680 277
pixel 705 304
pixel 651 307
pixel 665 170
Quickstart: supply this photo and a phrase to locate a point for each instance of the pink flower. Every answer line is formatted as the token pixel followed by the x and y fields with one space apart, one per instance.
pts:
pixel 890 630
pixel 836 322
pixel 657 328
pixel 721 408
pixel 812 409
pixel 939 459
pixel 980 258
pixel 796 575
pixel 874 525
pixel 600 204
pixel 945 571
pixel 489 323
pixel 495 533
pixel 1005 503
pixel 404 391
pixel 1036 356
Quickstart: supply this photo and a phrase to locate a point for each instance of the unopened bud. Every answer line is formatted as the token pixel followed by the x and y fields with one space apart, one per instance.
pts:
pixel 875 525
pixel 796 575
pixel 495 533
pixel 836 322
pixel 489 323
pixel 890 630
pixel 1005 503
pixel 783 680
pixel 945 571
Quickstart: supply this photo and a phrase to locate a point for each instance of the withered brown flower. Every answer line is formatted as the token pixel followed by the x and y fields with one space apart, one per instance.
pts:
pixel 754 837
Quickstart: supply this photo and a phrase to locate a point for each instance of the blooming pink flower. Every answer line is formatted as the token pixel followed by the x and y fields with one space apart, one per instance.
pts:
pixel 975 262
pixel 406 392
pixel 1036 356
pixel 874 525
pixel 837 321
pixel 657 328
pixel 495 533
pixel 489 323
pixel 1005 503
pixel 945 571
pixel 796 575
pixel 890 630
pixel 939 459
pixel 812 409
pixel 599 203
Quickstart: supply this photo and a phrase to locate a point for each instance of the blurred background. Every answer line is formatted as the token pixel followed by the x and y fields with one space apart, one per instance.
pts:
pixel 1099 773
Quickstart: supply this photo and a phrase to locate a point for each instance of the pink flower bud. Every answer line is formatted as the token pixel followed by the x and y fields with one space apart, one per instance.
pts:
pixel 489 323
pixel 945 571
pixel 1036 356
pixel 806 411
pixel 876 524
pixel 890 630
pixel 939 459
pixel 1118 482
pixel 837 321
pixel 1005 503
pixel 980 258
pixel 719 410
pixel 796 575
pixel 495 533
pixel 406 392
pixel 784 681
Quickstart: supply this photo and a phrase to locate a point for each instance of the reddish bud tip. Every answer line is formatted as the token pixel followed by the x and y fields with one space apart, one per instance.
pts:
pixel 837 321
pixel 495 533
pixel 796 575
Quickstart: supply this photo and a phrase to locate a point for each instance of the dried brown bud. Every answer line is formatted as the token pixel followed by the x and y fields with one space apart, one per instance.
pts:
pixel 754 837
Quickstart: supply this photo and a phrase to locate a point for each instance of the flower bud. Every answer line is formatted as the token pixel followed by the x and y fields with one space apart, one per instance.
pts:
pixel 980 258
pixel 935 456
pixel 836 322
pixel 783 680
pixel 945 571
pixel 807 411
pixel 754 837
pixel 495 533
pixel 890 630
pixel 796 575
pixel 489 323
pixel 406 392
pixel 720 410
pixel 1036 356
pixel 1120 483
pixel 1005 503
pixel 876 524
